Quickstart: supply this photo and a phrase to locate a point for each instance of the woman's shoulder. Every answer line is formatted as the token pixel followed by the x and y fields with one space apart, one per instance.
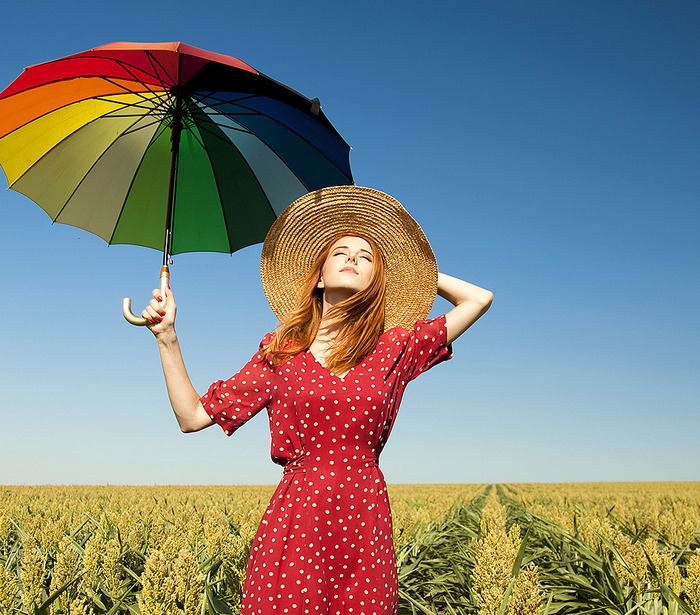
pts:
pixel 267 339
pixel 395 334
pixel 260 355
pixel 402 333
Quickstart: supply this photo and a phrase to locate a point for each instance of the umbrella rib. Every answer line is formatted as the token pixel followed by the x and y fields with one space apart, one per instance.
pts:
pixel 190 122
pixel 210 115
pixel 130 91
pixel 153 62
pixel 104 98
pixel 143 103
pixel 82 179
pixel 131 130
pixel 272 149
pixel 129 68
pixel 216 179
pixel 238 128
pixel 155 136
pixel 211 95
pixel 47 152
pixel 218 189
pixel 147 106
pixel 258 113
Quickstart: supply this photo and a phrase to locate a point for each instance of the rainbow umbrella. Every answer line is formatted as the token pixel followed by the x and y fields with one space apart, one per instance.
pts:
pixel 164 145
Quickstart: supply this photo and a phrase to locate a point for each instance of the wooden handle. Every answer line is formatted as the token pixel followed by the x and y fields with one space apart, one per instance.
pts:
pixel 139 321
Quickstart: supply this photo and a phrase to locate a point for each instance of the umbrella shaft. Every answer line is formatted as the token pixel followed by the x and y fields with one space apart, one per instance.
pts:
pixel 166 248
pixel 175 150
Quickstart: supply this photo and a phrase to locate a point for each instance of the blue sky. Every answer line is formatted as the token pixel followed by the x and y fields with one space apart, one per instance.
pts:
pixel 551 152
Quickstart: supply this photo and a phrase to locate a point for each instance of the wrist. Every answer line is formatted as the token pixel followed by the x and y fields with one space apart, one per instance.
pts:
pixel 167 339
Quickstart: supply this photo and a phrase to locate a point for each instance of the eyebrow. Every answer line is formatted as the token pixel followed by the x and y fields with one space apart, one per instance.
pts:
pixel 348 247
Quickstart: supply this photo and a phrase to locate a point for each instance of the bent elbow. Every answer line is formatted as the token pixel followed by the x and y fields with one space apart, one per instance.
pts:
pixel 188 427
pixel 192 419
pixel 486 300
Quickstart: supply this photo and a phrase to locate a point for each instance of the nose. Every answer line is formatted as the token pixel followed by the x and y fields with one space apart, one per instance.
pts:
pixel 352 257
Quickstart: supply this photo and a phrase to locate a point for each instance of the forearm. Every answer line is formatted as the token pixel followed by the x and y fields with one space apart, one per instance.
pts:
pixel 458 291
pixel 184 399
pixel 470 301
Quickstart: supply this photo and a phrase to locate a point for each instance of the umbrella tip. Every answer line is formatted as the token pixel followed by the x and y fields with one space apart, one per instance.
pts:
pixel 315 106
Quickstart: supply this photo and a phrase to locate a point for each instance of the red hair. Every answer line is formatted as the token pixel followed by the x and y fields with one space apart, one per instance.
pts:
pixel 360 318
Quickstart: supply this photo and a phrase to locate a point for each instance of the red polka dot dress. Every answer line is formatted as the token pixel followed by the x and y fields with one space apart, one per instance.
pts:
pixel 324 545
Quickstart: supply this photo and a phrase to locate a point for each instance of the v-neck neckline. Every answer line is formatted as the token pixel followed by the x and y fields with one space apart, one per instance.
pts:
pixel 316 360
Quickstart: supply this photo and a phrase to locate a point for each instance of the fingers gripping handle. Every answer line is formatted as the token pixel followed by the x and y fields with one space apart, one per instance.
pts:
pixel 139 321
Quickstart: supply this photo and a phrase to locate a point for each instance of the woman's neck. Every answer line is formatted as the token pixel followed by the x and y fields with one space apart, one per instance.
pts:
pixel 331 298
pixel 325 338
pixel 329 328
pixel 327 331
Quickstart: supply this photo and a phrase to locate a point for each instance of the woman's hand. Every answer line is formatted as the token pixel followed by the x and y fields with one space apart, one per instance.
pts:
pixel 161 317
pixel 471 303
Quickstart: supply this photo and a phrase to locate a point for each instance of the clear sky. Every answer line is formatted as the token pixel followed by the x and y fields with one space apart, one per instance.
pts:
pixel 551 152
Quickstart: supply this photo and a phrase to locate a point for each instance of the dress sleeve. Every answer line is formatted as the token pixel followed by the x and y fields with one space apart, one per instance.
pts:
pixel 426 346
pixel 233 402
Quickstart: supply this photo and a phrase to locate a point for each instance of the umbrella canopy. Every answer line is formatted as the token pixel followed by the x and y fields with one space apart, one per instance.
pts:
pixel 164 145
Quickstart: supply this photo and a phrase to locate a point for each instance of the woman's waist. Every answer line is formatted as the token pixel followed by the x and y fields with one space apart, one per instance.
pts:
pixel 330 463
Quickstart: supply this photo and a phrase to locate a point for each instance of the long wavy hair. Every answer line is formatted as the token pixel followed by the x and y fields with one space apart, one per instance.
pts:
pixel 359 319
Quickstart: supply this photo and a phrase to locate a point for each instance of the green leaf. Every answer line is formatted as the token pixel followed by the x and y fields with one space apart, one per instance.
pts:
pixel 44 605
pixel 521 553
pixel 216 606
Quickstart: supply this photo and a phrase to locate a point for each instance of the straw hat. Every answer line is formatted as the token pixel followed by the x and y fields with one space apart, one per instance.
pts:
pixel 305 228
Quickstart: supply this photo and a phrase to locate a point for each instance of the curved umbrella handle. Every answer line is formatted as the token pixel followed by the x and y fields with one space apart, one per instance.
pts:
pixel 139 321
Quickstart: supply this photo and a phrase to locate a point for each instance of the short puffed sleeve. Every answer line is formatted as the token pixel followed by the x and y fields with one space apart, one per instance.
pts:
pixel 233 402
pixel 425 347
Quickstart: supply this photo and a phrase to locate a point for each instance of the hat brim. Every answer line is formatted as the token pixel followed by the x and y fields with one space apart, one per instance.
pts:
pixel 310 223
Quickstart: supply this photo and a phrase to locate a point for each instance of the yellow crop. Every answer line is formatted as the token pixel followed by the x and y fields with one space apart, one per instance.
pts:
pixel 172 550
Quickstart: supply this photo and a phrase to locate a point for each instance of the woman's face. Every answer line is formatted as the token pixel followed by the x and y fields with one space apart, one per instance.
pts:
pixel 348 267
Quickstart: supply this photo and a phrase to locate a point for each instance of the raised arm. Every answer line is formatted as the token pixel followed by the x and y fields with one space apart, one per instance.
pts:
pixel 184 399
pixel 471 302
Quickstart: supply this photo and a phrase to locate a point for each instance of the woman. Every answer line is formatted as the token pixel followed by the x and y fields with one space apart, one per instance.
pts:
pixel 350 275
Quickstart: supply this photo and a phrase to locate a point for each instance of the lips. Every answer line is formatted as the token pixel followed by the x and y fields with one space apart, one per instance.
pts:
pixel 350 269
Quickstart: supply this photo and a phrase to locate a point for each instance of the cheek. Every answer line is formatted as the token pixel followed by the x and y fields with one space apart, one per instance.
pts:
pixel 327 269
